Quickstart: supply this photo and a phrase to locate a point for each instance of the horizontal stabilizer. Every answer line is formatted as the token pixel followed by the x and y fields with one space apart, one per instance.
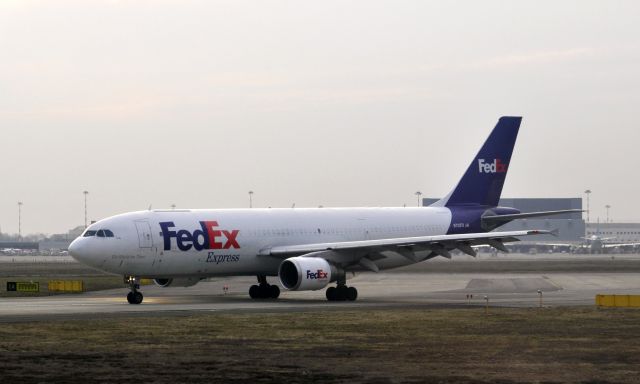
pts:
pixel 499 218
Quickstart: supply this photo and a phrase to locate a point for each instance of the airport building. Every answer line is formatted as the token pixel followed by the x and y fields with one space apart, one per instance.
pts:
pixel 571 226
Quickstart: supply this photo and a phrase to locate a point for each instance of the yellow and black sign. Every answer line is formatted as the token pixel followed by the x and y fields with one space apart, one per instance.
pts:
pixel 23 286
pixel 66 286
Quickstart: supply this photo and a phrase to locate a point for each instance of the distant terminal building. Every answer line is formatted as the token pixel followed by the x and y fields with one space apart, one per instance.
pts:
pixel 571 226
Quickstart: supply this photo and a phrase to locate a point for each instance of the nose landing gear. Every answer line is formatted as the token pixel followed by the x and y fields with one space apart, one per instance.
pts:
pixel 135 296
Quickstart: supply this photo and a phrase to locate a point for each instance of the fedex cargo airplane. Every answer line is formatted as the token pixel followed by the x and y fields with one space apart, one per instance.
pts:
pixel 308 248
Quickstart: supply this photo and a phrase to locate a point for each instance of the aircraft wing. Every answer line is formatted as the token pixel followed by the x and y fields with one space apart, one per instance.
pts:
pixel 558 245
pixel 599 238
pixel 354 251
pixel 613 245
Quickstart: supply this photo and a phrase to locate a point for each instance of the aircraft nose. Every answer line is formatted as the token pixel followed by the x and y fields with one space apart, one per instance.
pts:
pixel 75 248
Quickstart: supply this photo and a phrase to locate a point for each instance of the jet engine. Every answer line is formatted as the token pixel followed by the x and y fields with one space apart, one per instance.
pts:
pixel 177 282
pixel 307 273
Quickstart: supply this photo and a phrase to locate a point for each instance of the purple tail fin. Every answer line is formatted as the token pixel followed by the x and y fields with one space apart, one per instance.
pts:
pixel 482 182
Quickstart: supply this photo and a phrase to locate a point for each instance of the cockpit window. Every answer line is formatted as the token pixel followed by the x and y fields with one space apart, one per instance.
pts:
pixel 99 233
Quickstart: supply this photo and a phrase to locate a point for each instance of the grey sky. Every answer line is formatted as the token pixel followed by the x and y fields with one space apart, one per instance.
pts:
pixel 339 103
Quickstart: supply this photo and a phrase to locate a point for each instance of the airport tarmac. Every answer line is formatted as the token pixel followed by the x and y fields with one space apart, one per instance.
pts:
pixel 404 288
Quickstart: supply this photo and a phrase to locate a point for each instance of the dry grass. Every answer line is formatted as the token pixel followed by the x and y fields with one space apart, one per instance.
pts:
pixel 368 346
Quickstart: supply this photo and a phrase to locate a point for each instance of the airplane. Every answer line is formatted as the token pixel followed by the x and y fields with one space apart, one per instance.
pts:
pixel 308 248
pixel 592 244
pixel 598 244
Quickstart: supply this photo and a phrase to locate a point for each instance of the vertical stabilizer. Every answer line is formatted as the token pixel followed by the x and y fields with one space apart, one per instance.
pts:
pixel 482 182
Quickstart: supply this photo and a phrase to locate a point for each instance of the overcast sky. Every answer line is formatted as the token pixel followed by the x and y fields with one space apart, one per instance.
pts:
pixel 339 103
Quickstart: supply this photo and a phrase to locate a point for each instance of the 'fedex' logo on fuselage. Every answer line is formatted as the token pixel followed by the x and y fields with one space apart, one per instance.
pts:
pixel 496 167
pixel 209 237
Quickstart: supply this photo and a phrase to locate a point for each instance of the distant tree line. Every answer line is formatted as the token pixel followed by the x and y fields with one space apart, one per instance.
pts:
pixel 34 237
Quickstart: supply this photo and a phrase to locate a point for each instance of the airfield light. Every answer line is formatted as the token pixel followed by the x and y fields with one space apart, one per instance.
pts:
pixel 86 193
pixel 19 220
pixel 587 192
pixel 540 295
pixel 486 308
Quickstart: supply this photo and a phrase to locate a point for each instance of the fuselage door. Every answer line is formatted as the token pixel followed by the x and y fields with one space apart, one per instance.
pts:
pixel 144 234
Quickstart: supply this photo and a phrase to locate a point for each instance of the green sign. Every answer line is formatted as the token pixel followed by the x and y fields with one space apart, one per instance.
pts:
pixel 22 286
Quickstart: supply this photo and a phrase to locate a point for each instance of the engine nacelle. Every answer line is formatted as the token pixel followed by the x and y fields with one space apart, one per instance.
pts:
pixel 306 273
pixel 177 282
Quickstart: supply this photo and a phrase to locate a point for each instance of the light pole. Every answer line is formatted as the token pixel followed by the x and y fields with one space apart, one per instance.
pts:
pixel 250 199
pixel 19 220
pixel 86 193
pixel 540 294
pixel 419 200
pixel 607 206
pixel 587 192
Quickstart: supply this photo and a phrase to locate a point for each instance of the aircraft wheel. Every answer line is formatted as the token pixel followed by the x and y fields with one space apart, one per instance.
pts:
pixel 274 291
pixel 255 292
pixel 331 293
pixel 342 291
pixel 137 298
pixel 130 297
pixel 352 293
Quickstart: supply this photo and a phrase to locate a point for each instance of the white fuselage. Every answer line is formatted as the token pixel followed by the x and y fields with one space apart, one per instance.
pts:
pixel 237 240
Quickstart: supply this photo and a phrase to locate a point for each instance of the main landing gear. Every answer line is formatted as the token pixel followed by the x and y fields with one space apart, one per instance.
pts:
pixel 135 296
pixel 342 292
pixel 264 290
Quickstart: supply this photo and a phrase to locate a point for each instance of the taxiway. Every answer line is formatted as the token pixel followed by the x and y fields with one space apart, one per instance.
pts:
pixel 416 287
